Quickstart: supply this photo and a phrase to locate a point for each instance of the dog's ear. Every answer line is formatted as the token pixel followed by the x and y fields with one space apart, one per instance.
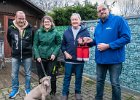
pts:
pixel 48 77
pixel 41 80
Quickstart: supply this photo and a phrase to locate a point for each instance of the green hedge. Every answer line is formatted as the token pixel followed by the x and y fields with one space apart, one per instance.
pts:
pixel 61 29
pixel 61 16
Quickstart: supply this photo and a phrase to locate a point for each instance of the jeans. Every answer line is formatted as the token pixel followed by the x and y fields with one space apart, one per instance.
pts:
pixel 114 72
pixel 27 64
pixel 69 68
pixel 50 70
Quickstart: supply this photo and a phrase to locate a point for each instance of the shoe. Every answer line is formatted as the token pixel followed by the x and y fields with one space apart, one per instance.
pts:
pixel 27 91
pixel 78 97
pixel 64 98
pixel 52 93
pixel 52 97
pixel 13 93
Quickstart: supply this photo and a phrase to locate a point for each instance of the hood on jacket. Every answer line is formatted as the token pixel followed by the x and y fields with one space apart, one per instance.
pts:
pixel 20 28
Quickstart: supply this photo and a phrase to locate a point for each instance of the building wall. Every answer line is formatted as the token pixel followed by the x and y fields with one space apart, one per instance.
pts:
pixel 8 10
pixel 11 6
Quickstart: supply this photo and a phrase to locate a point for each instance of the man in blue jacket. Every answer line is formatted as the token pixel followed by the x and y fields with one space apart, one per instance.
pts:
pixel 111 35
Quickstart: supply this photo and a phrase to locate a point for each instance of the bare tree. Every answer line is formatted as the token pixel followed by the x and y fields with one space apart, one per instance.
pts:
pixel 48 5
pixel 129 7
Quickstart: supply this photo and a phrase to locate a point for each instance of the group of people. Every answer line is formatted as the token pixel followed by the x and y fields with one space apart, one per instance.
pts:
pixel 111 35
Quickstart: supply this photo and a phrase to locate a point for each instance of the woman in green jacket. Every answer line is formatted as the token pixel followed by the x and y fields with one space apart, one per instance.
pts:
pixel 47 42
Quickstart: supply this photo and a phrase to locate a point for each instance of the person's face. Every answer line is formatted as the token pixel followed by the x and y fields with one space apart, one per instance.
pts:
pixel 75 21
pixel 47 24
pixel 20 19
pixel 103 12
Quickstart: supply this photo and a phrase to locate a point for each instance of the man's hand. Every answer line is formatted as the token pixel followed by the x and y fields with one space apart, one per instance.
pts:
pixel 102 46
pixel 87 39
pixel 67 55
pixel 52 57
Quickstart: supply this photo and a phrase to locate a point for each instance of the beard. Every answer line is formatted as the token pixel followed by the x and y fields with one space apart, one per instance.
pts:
pixel 21 24
pixel 103 16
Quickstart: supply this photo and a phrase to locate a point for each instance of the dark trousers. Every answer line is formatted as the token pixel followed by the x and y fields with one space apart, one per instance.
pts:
pixel 50 70
pixel 78 70
pixel 114 72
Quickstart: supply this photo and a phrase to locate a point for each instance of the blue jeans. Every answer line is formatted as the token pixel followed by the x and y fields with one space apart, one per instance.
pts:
pixel 27 64
pixel 114 72
pixel 69 69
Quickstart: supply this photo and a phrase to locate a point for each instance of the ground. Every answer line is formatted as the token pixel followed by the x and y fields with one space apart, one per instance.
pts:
pixel 88 87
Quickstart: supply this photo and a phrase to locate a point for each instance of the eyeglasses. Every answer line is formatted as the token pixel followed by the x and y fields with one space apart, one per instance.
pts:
pixel 47 21
pixel 103 9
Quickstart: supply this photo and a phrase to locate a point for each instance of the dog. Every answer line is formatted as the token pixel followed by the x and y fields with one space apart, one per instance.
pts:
pixel 41 91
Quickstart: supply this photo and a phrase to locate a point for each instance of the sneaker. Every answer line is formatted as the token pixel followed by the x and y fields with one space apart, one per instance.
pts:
pixel 64 98
pixel 27 91
pixel 13 93
pixel 52 93
pixel 78 96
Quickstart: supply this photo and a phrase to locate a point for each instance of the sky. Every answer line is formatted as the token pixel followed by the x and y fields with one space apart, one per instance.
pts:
pixel 115 9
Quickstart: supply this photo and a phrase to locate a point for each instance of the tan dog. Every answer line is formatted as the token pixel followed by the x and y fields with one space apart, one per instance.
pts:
pixel 41 91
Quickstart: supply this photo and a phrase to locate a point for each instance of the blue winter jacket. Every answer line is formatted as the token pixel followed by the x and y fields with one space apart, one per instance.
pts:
pixel 115 32
pixel 69 44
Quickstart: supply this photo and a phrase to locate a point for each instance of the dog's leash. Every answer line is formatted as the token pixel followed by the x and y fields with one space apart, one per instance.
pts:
pixel 43 68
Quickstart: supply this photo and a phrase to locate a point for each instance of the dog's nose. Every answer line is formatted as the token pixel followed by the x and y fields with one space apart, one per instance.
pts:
pixel 46 83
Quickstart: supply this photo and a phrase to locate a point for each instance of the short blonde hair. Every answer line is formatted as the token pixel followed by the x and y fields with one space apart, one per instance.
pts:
pixel 19 12
pixel 76 14
pixel 103 5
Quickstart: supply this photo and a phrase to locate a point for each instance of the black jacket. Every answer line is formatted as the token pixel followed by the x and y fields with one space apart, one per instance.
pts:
pixel 21 45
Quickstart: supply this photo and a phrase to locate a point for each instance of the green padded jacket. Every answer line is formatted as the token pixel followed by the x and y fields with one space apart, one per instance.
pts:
pixel 46 43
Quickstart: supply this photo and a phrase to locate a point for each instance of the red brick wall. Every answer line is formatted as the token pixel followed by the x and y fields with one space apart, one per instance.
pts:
pixel 7 49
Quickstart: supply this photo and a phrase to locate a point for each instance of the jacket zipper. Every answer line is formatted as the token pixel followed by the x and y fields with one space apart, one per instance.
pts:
pixel 101 51
pixel 21 49
pixel 21 43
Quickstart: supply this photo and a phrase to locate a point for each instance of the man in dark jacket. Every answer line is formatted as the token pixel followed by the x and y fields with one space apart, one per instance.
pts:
pixel 19 37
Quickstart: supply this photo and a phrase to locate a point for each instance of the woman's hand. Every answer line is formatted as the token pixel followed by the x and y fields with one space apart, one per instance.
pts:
pixel 52 57
pixel 67 55
pixel 80 41
pixel 39 59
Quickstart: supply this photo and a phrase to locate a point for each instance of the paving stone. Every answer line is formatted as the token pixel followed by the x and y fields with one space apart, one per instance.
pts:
pixel 5 92
pixel 88 91
pixel 1 96
pixel 7 97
